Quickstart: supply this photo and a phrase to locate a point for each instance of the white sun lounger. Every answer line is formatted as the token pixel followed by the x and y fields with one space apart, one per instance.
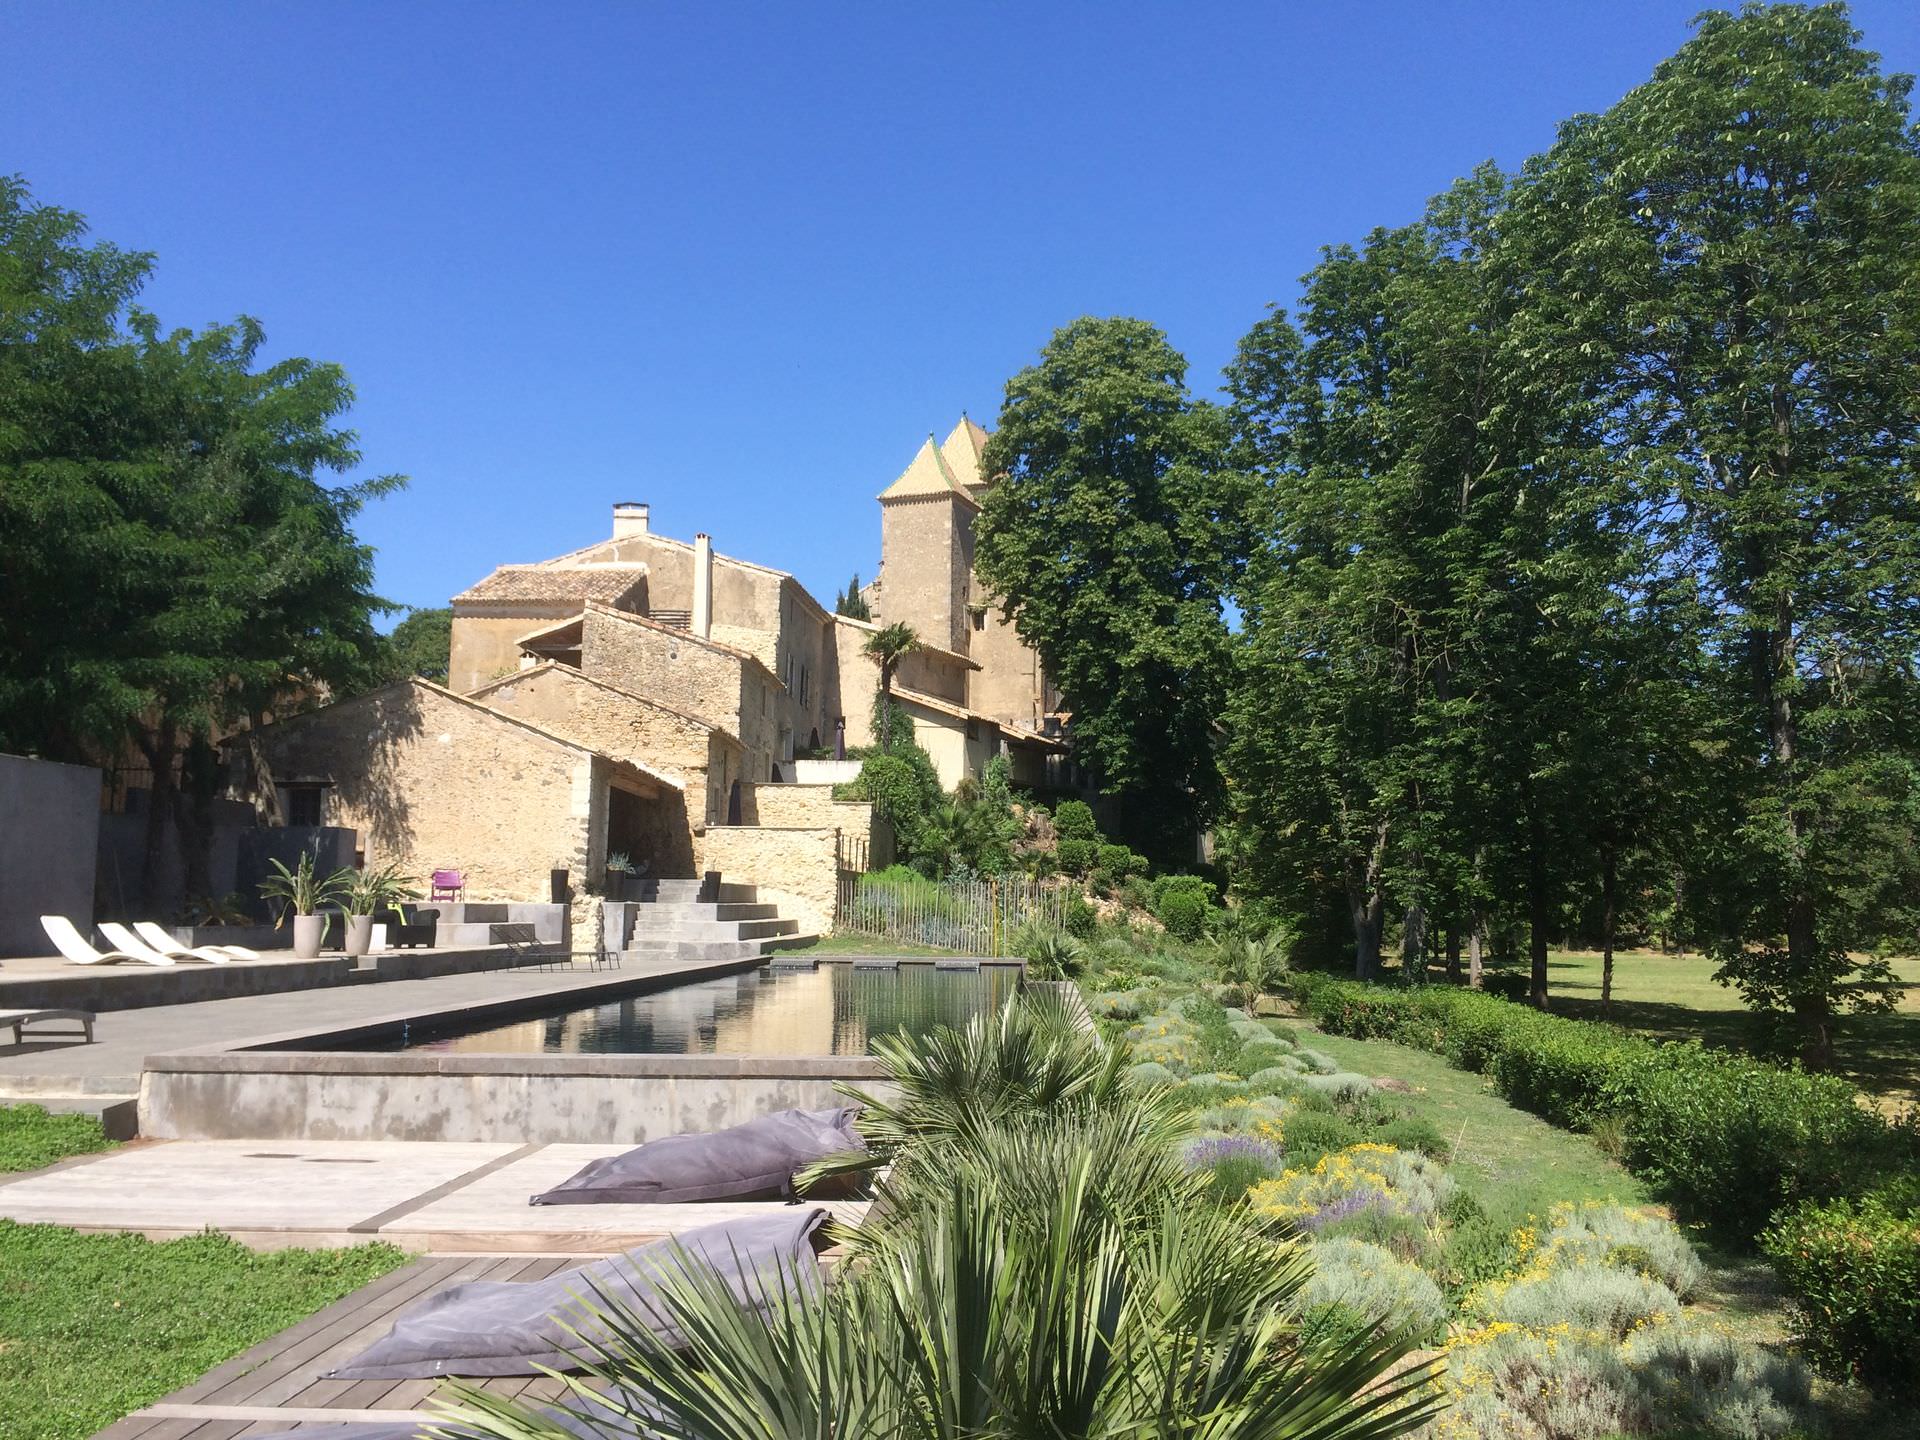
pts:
pixel 72 944
pixel 129 943
pixel 157 938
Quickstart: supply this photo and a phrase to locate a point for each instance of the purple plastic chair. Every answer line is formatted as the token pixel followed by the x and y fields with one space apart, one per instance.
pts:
pixel 447 885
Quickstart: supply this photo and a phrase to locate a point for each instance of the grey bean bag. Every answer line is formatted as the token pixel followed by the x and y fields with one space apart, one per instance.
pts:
pixel 492 1327
pixel 754 1161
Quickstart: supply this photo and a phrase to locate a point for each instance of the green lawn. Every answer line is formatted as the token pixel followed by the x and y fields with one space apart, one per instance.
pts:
pixel 1674 997
pixel 93 1326
pixel 1514 1163
pixel 31 1138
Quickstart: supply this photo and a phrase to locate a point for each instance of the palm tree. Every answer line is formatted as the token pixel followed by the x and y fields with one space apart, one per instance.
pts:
pixel 1029 1293
pixel 1039 1265
pixel 889 646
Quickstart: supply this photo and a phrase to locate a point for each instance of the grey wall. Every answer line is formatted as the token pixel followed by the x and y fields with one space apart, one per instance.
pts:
pixel 49 837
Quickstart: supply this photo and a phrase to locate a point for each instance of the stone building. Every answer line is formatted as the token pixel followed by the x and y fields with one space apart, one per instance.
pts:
pixel 651 696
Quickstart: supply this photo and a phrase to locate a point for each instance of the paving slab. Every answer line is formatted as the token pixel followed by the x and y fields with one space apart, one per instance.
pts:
pixel 298 1189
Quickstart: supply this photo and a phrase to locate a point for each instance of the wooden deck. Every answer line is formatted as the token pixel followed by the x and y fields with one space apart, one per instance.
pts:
pixel 277 1385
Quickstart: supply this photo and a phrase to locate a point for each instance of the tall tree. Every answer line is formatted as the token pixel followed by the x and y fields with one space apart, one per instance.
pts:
pixel 1111 542
pixel 421 645
pixel 851 602
pixel 173 563
pixel 1435 562
pixel 1741 238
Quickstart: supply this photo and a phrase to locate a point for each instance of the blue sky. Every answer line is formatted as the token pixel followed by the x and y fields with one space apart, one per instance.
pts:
pixel 737 260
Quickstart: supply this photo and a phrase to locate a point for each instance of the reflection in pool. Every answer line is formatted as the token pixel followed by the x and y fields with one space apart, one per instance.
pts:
pixel 832 1010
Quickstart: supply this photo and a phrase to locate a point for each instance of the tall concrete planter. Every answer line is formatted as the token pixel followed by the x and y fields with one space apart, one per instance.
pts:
pixel 308 932
pixel 359 934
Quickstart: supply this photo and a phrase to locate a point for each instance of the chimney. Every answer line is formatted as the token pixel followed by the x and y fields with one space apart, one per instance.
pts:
pixel 703 586
pixel 629 518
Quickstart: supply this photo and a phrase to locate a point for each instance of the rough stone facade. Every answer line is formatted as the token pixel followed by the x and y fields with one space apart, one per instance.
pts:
pixel 797 869
pixel 719 684
pixel 806 807
pixel 434 781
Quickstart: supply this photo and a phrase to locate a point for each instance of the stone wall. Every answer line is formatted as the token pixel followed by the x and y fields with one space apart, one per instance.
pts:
pixel 796 869
pixel 433 782
pixel 608 719
pixel 481 646
pixel 805 807
pixel 47 849
pixel 711 681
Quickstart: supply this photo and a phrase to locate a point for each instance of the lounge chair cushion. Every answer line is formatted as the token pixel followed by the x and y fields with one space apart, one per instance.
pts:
pixel 756 1160
pixel 490 1327
pixel 577 1415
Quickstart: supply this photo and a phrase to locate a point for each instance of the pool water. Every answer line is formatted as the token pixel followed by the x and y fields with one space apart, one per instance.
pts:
pixel 832 1010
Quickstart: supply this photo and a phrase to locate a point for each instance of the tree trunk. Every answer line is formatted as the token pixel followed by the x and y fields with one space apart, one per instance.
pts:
pixel 1453 954
pixel 1537 908
pixel 159 749
pixel 1413 942
pixel 193 816
pixel 1608 884
pixel 1367 917
pixel 1367 903
pixel 1476 947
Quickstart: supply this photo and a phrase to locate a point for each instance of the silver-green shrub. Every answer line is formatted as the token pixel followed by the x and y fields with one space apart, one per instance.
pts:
pixel 1370 1286
pixel 1596 1298
pixel 1699 1378
pixel 1604 1233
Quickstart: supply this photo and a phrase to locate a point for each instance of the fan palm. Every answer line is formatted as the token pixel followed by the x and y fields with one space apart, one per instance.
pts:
pixel 889 646
pixel 1011 1304
pixel 1257 962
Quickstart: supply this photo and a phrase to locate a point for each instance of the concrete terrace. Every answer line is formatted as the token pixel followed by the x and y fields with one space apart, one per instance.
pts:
pixel 114 1064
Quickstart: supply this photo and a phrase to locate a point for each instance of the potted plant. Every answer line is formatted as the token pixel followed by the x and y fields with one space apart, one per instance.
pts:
pixel 303 890
pixel 370 891
pixel 619 867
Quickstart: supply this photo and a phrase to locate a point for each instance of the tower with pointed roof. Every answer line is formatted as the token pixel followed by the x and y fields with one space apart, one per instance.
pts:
pixel 926 576
pixel 926 550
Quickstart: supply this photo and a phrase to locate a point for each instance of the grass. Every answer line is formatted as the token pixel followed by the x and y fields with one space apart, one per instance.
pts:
pixel 839 944
pixel 31 1138
pixel 1515 1164
pixel 1674 997
pixel 93 1326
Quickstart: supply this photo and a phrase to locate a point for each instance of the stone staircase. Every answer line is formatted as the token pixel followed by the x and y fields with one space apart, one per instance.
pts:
pixel 698 920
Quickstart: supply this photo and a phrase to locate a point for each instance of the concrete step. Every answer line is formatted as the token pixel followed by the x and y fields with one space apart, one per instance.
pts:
pixel 712 930
pixel 647 953
pixel 662 911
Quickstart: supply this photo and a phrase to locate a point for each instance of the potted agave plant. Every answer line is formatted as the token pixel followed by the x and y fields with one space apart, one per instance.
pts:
pixel 302 891
pixel 367 893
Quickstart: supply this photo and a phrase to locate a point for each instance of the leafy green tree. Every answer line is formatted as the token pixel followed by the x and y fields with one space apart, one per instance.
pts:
pixel 852 603
pixel 171 564
pixel 1111 541
pixel 421 645
pixel 1435 559
pixel 1740 238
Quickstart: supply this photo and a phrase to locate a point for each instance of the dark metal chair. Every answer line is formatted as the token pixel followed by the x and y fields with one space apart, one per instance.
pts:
pixel 401 931
pixel 531 953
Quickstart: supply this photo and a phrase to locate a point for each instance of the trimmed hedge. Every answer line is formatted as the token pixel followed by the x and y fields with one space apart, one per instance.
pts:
pixel 1734 1142
pixel 1854 1270
pixel 1728 1139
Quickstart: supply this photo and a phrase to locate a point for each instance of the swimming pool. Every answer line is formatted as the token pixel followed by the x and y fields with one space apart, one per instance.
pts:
pixel 836 1009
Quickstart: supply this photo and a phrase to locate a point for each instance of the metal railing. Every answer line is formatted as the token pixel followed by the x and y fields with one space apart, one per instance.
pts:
pixel 974 917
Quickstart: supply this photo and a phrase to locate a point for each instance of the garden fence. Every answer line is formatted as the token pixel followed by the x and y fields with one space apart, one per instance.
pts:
pixel 974 917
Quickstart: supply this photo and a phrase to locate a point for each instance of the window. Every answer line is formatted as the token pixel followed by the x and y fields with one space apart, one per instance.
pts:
pixel 805 683
pixel 303 804
pixel 979 619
